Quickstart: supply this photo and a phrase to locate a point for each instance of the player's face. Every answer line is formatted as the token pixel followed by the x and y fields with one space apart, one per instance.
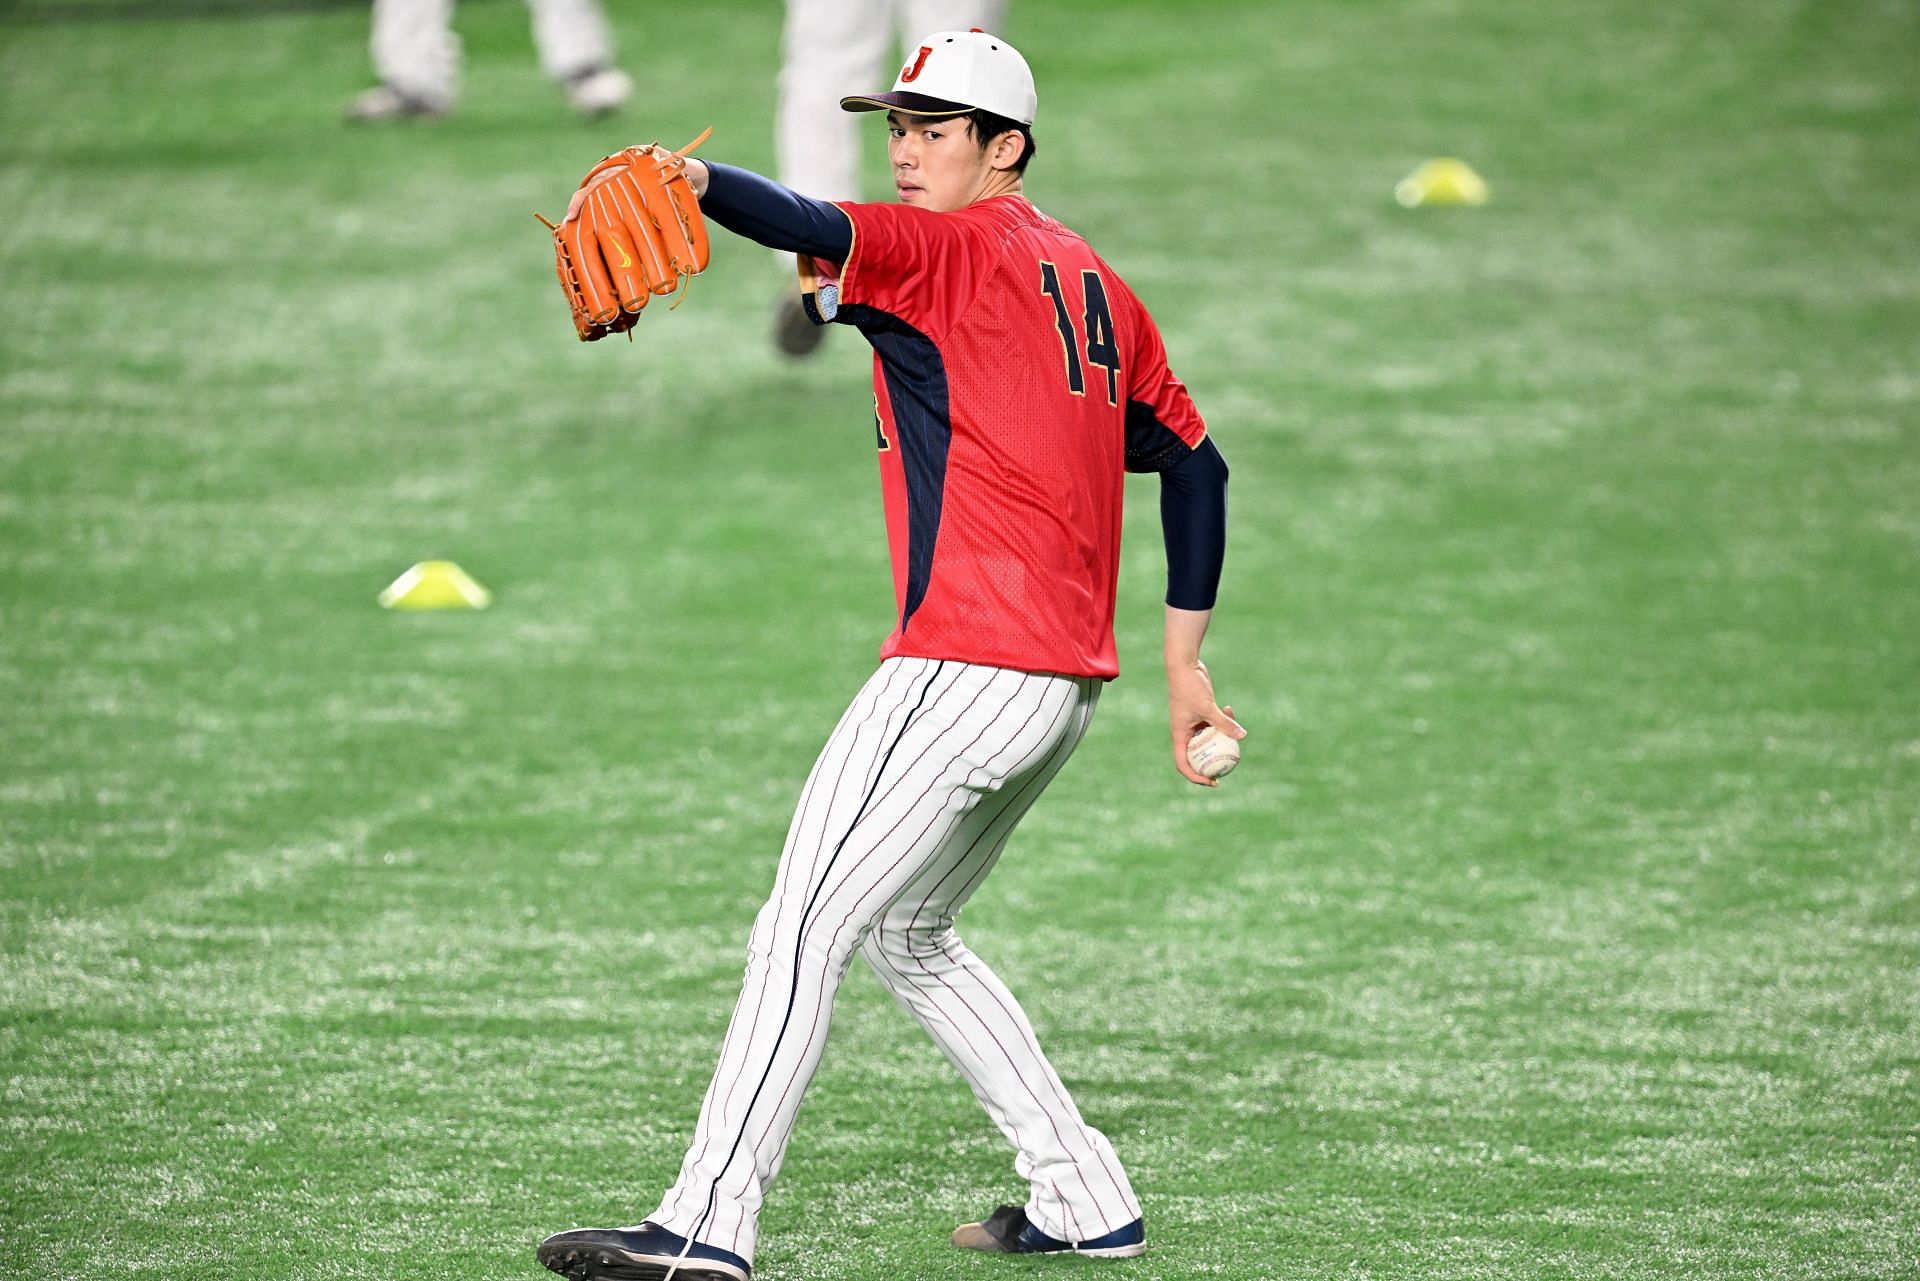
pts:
pixel 936 164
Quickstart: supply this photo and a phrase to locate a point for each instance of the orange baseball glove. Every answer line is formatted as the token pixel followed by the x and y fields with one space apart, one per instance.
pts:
pixel 638 233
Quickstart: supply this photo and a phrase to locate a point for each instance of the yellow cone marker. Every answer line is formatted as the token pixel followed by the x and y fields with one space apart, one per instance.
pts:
pixel 1441 182
pixel 435 584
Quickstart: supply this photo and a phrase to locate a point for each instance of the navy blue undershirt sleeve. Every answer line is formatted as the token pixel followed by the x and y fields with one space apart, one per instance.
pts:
pixel 1193 520
pixel 778 217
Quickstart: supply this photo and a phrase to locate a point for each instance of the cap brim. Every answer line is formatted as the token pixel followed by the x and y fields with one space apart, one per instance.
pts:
pixel 909 104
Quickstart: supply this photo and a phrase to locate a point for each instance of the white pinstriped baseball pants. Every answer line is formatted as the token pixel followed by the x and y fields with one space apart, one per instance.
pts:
pixel 905 812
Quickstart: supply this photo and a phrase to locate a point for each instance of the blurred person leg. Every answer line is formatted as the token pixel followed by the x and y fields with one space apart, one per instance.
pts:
pixel 832 48
pixel 836 47
pixel 829 48
pixel 576 49
pixel 417 57
pixel 924 17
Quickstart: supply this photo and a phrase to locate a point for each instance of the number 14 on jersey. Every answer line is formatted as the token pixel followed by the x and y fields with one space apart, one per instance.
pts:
pixel 1099 344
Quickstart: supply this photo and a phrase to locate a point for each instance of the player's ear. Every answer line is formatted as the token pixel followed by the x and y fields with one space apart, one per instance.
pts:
pixel 1006 149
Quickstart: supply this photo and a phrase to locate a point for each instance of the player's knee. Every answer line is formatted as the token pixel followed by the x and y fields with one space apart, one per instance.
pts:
pixel 910 940
pixel 831 947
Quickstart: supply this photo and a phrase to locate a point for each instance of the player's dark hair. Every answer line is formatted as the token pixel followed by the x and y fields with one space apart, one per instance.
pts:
pixel 986 126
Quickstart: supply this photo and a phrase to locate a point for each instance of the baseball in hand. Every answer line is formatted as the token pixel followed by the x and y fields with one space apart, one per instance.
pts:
pixel 1212 754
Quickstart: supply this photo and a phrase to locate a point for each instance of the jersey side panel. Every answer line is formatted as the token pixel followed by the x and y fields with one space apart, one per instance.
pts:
pixel 893 483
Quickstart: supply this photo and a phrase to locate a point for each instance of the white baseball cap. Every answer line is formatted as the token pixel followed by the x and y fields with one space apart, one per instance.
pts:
pixel 953 72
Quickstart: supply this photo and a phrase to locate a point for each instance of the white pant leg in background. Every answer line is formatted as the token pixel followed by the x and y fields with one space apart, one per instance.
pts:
pixel 831 48
pixel 924 17
pixel 909 802
pixel 415 49
pixel 572 36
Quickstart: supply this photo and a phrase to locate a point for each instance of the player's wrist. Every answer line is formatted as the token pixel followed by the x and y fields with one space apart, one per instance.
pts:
pixel 1180 643
pixel 697 175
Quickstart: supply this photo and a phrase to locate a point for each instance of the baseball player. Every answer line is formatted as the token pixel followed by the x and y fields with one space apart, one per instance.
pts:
pixel 417 56
pixel 1016 379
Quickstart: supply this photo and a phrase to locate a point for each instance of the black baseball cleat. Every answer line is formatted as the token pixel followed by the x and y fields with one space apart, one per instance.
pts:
pixel 793 330
pixel 1007 1231
pixel 646 1253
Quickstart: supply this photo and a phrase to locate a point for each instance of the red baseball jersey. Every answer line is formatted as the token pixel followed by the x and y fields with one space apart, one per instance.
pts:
pixel 1016 380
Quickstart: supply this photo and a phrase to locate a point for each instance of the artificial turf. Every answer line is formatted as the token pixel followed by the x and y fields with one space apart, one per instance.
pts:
pixel 1563 921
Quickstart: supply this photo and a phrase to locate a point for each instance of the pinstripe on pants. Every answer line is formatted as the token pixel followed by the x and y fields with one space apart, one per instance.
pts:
pixel 905 812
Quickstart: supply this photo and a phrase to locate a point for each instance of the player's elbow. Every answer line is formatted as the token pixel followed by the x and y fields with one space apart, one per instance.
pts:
pixel 1204 468
pixel 1212 463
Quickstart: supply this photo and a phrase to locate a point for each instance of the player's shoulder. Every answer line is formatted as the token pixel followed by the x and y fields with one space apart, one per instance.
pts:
pixel 1007 210
pixel 1015 213
pixel 1018 219
pixel 978 226
pixel 1025 231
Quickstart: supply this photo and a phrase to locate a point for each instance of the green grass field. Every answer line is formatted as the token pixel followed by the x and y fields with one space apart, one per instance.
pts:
pixel 1564 921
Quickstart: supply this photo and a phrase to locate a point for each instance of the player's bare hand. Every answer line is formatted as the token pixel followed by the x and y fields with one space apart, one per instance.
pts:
pixel 580 198
pixel 696 177
pixel 1190 709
